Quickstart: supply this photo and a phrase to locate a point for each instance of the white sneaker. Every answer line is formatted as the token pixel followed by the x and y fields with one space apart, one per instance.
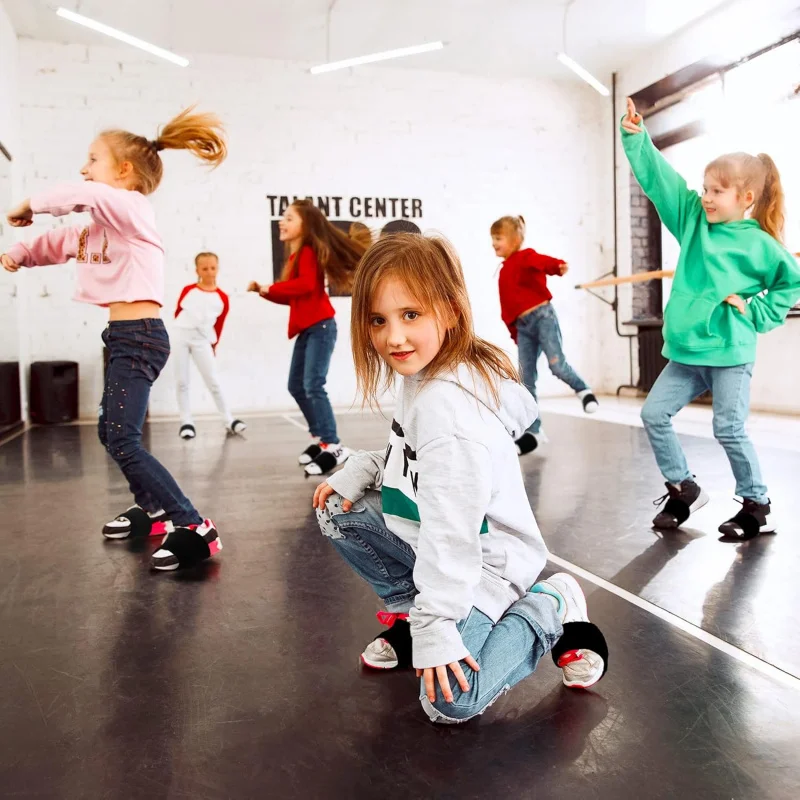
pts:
pixel 569 595
pixel 379 654
pixel 187 432
pixel 237 426
pixel 330 457
pixel 581 668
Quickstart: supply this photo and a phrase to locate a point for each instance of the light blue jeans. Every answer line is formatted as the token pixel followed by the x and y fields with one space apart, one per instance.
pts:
pixel 506 652
pixel 675 388
pixel 539 332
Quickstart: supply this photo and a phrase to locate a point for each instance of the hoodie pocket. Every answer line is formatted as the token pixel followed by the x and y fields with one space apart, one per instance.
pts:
pixel 701 323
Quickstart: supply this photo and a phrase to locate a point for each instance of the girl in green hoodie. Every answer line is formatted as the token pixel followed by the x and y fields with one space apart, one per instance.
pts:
pixel 734 279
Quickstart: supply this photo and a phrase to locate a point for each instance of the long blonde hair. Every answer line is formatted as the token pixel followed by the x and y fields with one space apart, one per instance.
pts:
pixel 202 134
pixel 431 271
pixel 759 175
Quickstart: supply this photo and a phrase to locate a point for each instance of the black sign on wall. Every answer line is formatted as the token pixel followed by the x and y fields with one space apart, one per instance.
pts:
pixel 399 211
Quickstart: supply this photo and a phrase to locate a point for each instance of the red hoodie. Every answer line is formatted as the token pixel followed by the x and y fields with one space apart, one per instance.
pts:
pixel 523 284
pixel 304 293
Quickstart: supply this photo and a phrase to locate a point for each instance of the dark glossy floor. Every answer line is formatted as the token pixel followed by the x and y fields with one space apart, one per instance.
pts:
pixel 240 679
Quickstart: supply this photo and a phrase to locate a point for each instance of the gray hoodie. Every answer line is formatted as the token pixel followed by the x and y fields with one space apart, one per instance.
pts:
pixel 452 489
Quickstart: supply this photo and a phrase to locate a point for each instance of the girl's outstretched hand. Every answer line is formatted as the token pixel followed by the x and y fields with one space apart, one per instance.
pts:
pixel 9 265
pixel 736 301
pixel 563 269
pixel 253 287
pixel 21 216
pixel 428 673
pixel 632 121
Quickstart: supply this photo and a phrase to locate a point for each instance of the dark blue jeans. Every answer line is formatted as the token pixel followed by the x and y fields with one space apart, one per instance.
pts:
pixel 308 374
pixel 536 332
pixel 138 350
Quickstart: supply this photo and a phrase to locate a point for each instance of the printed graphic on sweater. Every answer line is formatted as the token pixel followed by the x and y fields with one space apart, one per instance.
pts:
pixel 401 480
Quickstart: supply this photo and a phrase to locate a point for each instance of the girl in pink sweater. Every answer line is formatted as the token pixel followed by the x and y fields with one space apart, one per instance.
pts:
pixel 120 260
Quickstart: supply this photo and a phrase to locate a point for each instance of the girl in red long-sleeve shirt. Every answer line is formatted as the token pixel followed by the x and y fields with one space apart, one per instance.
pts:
pixel 316 249
pixel 531 318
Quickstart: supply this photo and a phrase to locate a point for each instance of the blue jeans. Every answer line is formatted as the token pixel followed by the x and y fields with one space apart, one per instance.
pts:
pixel 536 332
pixel 138 351
pixel 506 651
pixel 675 388
pixel 308 374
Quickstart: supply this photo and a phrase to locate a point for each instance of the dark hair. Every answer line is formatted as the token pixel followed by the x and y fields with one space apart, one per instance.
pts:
pixel 337 254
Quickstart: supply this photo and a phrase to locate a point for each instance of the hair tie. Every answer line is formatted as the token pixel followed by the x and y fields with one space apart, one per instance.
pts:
pixel 156 145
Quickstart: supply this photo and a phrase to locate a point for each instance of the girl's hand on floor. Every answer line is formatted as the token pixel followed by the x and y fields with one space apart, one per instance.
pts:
pixel 632 121
pixel 321 495
pixel 737 302
pixel 8 263
pixel 253 287
pixel 563 269
pixel 441 673
pixel 21 216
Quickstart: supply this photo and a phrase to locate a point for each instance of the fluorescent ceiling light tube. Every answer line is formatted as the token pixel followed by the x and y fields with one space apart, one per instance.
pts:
pixel 123 37
pixel 587 76
pixel 384 56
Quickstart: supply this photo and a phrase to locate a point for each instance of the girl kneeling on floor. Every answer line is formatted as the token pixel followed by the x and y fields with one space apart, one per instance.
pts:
pixel 439 524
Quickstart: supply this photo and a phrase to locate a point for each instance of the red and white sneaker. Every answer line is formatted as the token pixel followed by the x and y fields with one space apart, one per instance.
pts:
pixel 187 545
pixel 581 652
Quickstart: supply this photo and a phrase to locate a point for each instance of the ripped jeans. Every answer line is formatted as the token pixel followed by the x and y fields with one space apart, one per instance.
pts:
pixel 539 332
pixel 506 651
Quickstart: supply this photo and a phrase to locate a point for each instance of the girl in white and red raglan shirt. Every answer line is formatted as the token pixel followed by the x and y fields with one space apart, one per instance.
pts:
pixel 120 259
pixel 199 317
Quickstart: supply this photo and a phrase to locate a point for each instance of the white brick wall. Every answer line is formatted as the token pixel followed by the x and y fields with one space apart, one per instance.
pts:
pixel 472 149
pixel 9 108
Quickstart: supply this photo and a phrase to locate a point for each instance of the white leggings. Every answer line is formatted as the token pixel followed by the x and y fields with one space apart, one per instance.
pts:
pixel 188 344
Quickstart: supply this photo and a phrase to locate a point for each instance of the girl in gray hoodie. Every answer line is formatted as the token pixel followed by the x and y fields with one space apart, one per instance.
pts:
pixel 439 523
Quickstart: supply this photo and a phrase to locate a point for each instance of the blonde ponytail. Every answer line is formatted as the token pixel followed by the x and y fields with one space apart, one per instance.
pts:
pixel 202 134
pixel 769 209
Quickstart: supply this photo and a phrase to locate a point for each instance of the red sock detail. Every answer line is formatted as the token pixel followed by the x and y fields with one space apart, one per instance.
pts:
pixel 388 619
pixel 569 657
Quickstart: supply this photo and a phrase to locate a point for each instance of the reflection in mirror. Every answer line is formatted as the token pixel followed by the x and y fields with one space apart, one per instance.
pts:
pixel 9 319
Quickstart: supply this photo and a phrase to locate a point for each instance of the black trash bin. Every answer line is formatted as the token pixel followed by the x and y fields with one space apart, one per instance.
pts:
pixel 10 404
pixel 54 392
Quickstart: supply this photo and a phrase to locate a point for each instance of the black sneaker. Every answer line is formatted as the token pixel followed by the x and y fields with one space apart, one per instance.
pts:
pixel 528 442
pixel 749 522
pixel 187 432
pixel 681 503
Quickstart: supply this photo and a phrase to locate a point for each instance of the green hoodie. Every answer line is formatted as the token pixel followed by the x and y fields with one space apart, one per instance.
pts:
pixel 716 260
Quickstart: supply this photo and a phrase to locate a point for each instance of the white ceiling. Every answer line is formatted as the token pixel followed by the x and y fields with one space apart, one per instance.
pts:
pixel 492 37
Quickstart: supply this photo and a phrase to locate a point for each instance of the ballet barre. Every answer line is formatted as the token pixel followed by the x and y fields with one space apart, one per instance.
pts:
pixel 639 277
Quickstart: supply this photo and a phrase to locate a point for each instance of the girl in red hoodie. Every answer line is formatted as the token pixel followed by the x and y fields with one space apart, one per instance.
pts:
pixel 315 249
pixel 531 318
